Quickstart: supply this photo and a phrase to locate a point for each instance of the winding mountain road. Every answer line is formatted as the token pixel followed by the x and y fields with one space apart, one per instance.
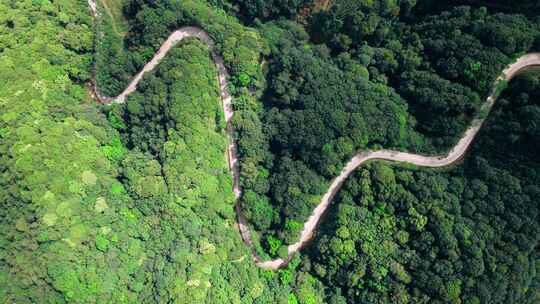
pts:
pixel 456 153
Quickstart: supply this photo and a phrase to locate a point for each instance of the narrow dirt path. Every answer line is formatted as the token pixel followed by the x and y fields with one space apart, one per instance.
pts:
pixel 456 153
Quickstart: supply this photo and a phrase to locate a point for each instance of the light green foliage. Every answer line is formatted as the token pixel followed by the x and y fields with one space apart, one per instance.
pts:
pixel 417 220
pixel 308 290
pixel 178 172
pixel 143 175
pixel 55 167
pixel 115 150
pixel 243 79
pixel 115 121
pixel 273 244
pixel 102 243
pixel 286 277
pixel 89 178
pixel 86 220
pixel 292 299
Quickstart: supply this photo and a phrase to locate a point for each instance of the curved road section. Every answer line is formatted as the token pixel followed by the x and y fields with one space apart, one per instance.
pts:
pixel 456 153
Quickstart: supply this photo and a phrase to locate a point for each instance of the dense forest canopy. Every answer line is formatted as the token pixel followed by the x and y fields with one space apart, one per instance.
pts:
pixel 133 203
pixel 406 85
pixel 94 211
pixel 466 235
pixel 529 8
